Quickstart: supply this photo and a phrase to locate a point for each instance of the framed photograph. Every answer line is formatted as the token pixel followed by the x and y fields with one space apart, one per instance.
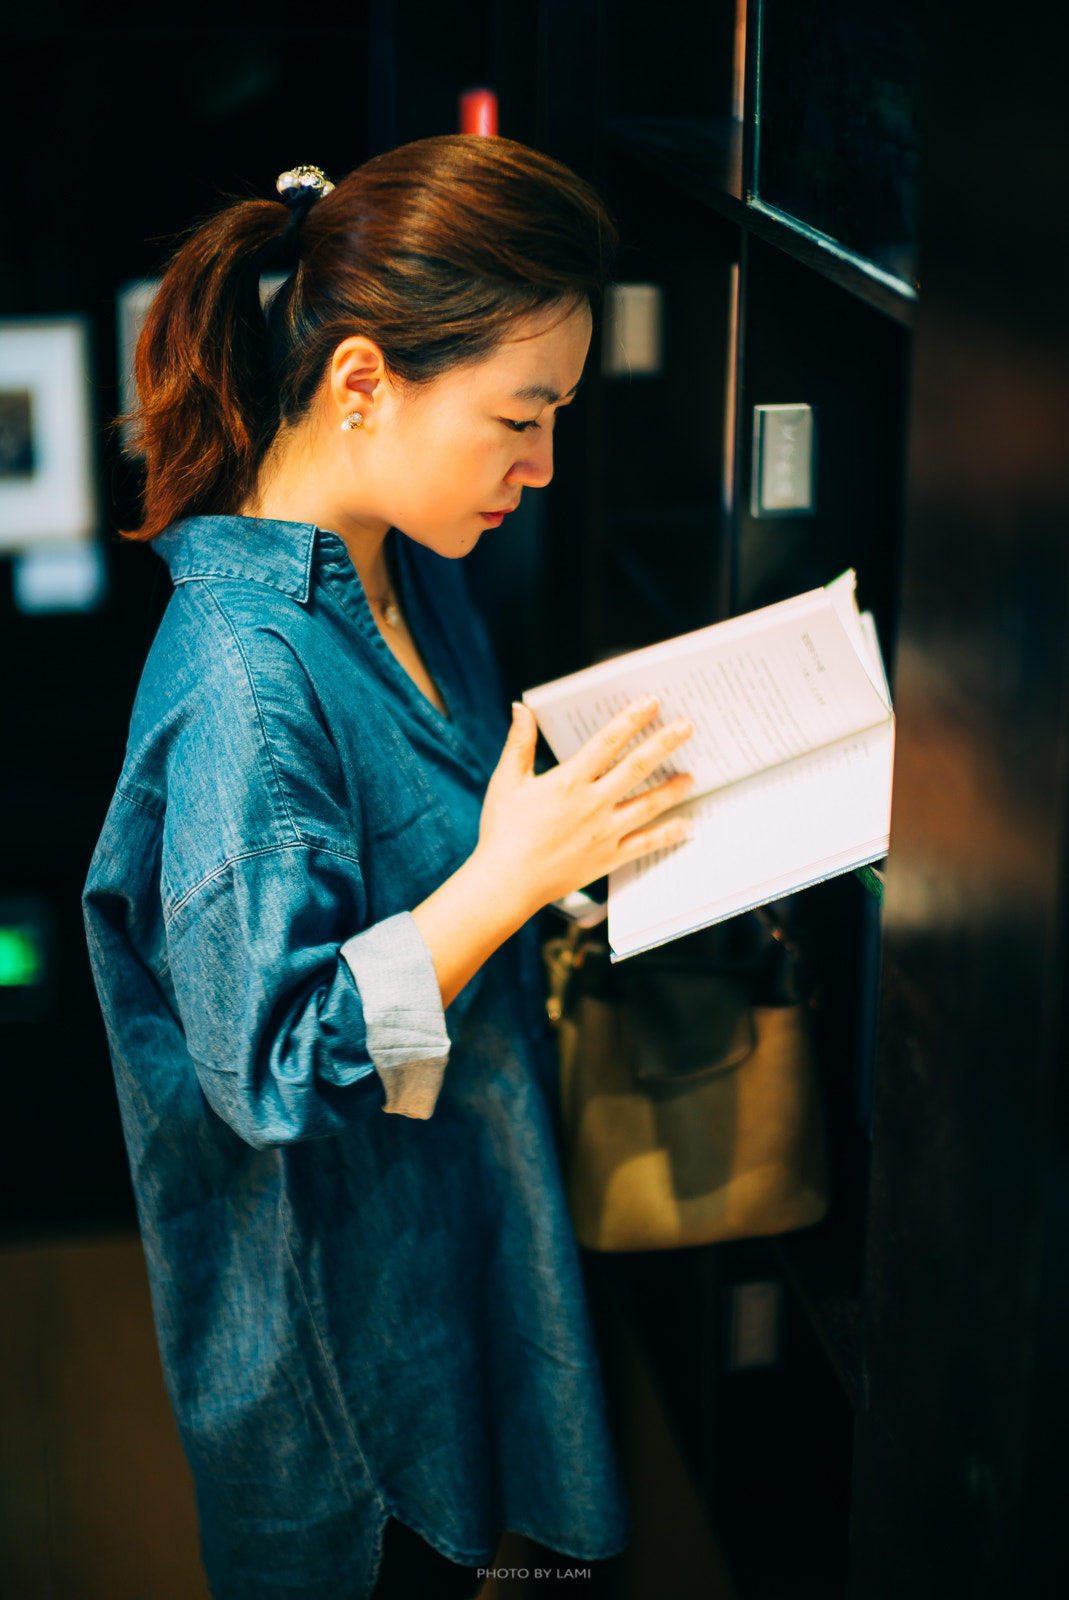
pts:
pixel 47 483
pixel 132 305
pixel 133 302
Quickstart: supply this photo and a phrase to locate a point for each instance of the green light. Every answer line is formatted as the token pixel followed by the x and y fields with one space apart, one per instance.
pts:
pixel 21 957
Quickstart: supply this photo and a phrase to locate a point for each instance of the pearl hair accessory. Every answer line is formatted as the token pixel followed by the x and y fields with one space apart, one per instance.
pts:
pixel 290 184
pixel 355 419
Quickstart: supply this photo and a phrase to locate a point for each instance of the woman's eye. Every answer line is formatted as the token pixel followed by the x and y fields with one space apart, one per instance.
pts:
pixel 518 427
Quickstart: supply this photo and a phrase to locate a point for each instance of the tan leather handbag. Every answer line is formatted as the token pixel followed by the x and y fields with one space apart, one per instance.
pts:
pixel 690 1113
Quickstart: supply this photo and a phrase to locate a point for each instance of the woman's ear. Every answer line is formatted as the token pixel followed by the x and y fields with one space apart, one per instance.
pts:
pixel 358 380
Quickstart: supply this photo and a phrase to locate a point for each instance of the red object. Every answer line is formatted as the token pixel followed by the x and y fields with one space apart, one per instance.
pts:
pixel 478 112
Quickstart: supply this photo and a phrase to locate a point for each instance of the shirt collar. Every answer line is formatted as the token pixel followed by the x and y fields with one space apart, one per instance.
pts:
pixel 254 548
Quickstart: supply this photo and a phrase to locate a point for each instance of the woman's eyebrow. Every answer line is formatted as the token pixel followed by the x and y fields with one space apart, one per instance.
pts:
pixel 542 391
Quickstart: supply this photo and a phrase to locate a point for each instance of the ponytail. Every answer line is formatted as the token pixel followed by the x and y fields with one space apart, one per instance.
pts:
pixel 207 409
pixel 432 250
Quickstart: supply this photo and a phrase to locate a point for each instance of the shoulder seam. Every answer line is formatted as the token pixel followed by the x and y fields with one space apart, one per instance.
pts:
pixel 132 800
pixel 249 855
pixel 259 714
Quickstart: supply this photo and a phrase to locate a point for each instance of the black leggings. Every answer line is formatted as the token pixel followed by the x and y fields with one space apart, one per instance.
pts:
pixel 413 1570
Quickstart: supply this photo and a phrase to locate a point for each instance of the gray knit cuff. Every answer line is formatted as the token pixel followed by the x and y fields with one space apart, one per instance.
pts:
pixel 403 1018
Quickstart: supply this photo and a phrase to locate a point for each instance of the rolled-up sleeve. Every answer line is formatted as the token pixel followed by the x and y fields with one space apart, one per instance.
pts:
pixel 404 1025
pixel 298 1027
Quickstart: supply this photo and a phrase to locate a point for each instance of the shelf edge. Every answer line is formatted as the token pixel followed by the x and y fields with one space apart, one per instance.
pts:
pixel 860 277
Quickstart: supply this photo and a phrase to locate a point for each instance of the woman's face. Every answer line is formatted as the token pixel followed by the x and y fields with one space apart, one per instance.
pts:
pixel 448 459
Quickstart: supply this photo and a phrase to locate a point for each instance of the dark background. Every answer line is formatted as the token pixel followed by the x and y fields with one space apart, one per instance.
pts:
pixel 119 136
pixel 909 1438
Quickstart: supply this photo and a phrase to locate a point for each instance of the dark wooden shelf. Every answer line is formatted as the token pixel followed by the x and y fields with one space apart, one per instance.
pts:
pixel 702 155
pixel 703 158
pixel 829 1290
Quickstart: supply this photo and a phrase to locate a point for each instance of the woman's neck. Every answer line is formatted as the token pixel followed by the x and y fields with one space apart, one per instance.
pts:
pixel 295 485
pixel 290 490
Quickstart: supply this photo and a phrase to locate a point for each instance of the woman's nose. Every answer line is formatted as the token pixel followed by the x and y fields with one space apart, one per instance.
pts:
pixel 535 467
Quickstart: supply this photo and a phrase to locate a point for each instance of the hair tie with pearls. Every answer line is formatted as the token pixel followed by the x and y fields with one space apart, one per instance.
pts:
pixel 298 188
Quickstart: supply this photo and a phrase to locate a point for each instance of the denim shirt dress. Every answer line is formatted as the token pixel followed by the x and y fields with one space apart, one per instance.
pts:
pixel 361 1314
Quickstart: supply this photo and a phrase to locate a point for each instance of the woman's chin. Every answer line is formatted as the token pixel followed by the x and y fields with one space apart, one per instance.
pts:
pixel 452 543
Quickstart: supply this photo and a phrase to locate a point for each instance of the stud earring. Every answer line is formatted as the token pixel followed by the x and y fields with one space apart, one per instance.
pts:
pixel 355 419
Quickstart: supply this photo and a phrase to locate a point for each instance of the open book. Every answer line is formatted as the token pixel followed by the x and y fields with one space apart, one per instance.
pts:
pixel 791 755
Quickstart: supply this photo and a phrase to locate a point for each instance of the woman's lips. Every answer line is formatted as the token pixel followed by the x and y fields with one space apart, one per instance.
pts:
pixel 497 517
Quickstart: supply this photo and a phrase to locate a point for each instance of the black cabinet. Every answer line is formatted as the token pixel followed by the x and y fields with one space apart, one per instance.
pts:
pixel 875 228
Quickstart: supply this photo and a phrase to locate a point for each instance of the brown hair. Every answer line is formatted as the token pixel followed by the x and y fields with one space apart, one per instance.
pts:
pixel 431 250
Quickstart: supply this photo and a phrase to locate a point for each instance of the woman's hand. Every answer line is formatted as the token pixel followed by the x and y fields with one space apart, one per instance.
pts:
pixel 540 838
pixel 551 834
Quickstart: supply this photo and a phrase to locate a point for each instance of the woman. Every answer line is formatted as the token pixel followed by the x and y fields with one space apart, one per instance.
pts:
pixel 310 903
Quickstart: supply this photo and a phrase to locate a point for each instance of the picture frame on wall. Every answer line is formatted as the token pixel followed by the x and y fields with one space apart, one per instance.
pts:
pixel 133 302
pixel 47 481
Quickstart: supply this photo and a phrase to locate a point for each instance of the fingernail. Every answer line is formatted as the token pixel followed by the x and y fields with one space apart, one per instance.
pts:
pixel 686 780
pixel 516 710
pixel 683 727
pixel 649 702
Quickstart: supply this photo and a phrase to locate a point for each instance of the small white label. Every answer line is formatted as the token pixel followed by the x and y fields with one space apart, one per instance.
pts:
pixel 755 1322
pixel 632 335
pixel 782 461
pixel 60 577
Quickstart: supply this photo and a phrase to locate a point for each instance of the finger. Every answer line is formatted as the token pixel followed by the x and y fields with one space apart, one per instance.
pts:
pixel 642 808
pixel 517 758
pixel 676 830
pixel 605 748
pixel 635 767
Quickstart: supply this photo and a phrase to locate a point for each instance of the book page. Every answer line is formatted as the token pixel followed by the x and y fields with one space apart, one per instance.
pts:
pixel 761 838
pixel 878 673
pixel 760 690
